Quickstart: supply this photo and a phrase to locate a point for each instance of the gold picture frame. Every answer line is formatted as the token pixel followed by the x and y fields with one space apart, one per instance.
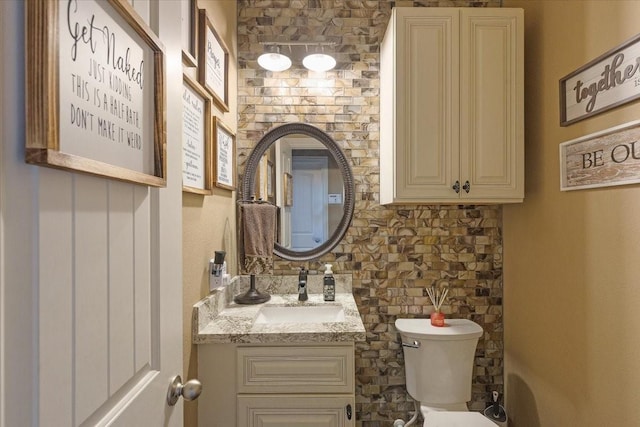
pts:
pixel 271 177
pixel 288 189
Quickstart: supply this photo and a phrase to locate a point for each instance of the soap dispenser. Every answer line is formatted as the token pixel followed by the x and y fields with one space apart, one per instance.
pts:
pixel 329 283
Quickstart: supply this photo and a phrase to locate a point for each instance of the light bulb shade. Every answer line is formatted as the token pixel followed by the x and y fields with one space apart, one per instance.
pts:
pixel 274 61
pixel 319 62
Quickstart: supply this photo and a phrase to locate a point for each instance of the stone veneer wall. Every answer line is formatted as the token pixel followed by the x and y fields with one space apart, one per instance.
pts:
pixel 394 252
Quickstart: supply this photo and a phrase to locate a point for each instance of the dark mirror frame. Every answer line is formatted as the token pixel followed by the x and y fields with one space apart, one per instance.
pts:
pixel 249 179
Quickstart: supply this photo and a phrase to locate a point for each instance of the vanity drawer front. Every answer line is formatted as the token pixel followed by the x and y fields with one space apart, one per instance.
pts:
pixel 290 410
pixel 307 369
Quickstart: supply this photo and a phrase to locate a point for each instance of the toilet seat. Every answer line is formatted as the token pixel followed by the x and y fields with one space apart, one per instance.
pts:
pixel 456 419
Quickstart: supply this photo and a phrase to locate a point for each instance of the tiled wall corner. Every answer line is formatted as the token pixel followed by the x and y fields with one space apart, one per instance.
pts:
pixel 393 253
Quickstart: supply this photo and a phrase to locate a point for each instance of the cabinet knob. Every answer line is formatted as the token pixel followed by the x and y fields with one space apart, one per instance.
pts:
pixel 466 187
pixel 456 187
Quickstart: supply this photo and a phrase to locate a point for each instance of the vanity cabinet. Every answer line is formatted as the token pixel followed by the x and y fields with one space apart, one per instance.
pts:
pixel 276 385
pixel 451 106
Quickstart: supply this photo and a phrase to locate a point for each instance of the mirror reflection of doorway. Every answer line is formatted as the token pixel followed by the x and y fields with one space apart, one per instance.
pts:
pixel 309 213
pixel 320 206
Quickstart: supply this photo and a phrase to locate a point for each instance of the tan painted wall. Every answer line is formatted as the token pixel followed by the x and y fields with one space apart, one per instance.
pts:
pixel 572 346
pixel 209 222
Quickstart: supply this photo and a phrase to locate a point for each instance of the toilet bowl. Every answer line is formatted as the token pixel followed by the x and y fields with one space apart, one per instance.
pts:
pixel 439 367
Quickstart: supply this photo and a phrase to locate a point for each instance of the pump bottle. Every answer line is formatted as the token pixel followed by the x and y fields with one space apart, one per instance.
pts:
pixel 329 284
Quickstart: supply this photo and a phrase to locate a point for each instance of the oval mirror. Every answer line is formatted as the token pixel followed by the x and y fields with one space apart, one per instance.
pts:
pixel 302 170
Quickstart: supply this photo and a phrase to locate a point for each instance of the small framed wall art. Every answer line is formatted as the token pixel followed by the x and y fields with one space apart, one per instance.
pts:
pixel 189 32
pixel 95 90
pixel 213 57
pixel 263 180
pixel 225 155
pixel 197 162
pixel 288 189
pixel 271 177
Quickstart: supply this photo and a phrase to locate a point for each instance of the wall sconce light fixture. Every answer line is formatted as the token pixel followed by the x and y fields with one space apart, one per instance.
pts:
pixel 319 61
pixel 315 59
pixel 273 60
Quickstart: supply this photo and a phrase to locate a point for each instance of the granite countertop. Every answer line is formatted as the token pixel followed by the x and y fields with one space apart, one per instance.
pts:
pixel 217 319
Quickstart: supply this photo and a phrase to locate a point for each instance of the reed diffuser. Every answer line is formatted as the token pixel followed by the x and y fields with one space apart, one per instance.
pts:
pixel 437 297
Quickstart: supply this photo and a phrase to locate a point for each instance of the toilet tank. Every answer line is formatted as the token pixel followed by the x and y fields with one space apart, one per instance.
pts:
pixel 439 360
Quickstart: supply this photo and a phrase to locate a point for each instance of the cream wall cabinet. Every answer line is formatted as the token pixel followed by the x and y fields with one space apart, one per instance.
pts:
pixel 451 106
pixel 310 385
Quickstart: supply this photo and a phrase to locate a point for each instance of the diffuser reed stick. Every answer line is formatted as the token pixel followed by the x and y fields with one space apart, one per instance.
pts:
pixel 437 298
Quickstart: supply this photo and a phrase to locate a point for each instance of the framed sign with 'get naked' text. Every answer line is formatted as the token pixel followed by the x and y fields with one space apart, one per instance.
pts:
pixel 95 90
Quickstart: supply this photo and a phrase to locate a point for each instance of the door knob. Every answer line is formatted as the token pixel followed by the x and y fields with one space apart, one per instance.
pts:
pixel 189 390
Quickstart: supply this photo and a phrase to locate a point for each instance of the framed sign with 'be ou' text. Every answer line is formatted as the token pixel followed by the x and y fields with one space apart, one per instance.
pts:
pixel 602 159
pixel 95 90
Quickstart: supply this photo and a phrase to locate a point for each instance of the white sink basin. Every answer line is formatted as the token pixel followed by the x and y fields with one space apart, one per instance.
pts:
pixel 306 314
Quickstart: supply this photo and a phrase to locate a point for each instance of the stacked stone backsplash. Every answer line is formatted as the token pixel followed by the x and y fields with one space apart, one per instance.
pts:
pixel 393 253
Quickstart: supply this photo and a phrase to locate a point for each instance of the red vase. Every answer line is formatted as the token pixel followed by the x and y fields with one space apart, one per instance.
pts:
pixel 437 318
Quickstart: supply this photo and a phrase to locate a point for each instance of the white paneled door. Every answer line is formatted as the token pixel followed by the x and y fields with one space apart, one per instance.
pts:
pixel 101 301
pixel 309 212
pixel 91 277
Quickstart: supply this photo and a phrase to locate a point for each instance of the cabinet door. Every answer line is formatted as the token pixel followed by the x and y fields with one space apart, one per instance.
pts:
pixel 427 108
pixel 491 104
pixel 280 410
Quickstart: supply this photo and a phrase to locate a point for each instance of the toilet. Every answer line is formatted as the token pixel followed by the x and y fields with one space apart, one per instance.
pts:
pixel 438 365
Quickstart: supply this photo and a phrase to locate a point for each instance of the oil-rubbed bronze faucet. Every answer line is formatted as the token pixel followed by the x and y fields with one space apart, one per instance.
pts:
pixel 302 285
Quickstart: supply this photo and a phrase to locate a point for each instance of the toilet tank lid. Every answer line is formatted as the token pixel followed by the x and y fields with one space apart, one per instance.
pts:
pixel 454 329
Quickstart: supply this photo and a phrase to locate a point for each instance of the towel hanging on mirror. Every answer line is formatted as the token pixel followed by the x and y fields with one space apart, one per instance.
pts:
pixel 258 229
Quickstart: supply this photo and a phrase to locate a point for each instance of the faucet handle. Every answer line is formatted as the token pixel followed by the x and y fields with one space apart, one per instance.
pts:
pixel 302 291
